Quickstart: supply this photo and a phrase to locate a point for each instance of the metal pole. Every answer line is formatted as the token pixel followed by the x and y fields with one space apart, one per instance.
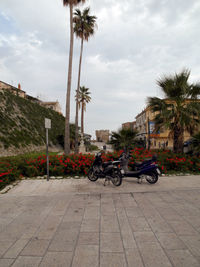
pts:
pixel 47 141
pixel 149 141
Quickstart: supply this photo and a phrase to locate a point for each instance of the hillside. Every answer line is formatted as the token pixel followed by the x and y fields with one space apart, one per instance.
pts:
pixel 22 124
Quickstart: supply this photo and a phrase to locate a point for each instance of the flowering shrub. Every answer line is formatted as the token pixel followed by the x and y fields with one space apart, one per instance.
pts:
pixel 13 168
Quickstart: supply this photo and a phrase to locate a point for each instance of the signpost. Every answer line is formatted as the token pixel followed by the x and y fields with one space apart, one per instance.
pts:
pixel 47 126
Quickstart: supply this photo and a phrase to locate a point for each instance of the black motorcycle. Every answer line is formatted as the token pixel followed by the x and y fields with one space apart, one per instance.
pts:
pixel 108 170
pixel 148 169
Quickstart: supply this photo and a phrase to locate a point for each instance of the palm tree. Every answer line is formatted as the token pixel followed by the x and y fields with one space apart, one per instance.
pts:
pixel 84 25
pixel 180 110
pixel 69 3
pixel 123 139
pixel 84 98
pixel 196 144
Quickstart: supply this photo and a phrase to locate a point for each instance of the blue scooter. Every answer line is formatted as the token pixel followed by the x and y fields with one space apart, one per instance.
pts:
pixel 147 169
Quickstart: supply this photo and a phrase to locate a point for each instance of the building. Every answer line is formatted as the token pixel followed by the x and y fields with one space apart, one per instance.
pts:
pixel 52 105
pixel 102 135
pixel 129 125
pixel 145 126
pixel 15 90
pixel 19 92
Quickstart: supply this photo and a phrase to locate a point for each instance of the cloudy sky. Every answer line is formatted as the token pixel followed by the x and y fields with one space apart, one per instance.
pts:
pixel 136 43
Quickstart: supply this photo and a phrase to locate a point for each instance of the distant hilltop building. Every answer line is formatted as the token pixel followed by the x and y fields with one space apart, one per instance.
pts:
pixel 102 135
pixel 15 90
pixel 54 105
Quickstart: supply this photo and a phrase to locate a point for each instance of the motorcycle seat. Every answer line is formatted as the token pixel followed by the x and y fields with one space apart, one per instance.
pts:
pixel 137 164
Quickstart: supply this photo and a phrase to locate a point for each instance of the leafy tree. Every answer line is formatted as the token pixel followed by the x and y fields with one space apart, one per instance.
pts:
pixel 196 144
pixel 123 139
pixel 84 98
pixel 71 4
pixel 179 111
pixel 84 26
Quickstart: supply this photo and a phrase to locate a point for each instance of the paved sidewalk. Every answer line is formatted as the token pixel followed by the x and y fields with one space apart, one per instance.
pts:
pixel 79 223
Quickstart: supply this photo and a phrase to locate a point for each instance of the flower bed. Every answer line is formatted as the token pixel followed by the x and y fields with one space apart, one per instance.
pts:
pixel 13 168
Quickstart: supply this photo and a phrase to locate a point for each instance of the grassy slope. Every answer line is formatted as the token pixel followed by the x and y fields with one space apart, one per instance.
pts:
pixel 22 122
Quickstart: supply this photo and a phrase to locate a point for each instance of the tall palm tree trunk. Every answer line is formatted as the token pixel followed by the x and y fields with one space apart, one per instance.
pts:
pixel 82 119
pixel 77 94
pixel 67 118
pixel 178 140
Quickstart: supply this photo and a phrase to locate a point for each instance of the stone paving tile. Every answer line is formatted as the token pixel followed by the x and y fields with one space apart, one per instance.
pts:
pixel 112 260
pixel 153 255
pixel 159 225
pixel 139 224
pixel 86 256
pixel 62 246
pixel 88 238
pixel 170 241
pixel 193 244
pixel 36 247
pixel 133 258
pixel 16 248
pixel 107 209
pixel 90 226
pixel 109 223
pixel 92 213
pixel 182 258
pixel 6 262
pixel 126 233
pixel 133 212
pixel 146 236
pixel 60 259
pixel 183 228
pixel 111 242
pixel 169 214
pixel 27 261
pixel 47 230
pixel 194 221
pixel 4 246
pixel 74 215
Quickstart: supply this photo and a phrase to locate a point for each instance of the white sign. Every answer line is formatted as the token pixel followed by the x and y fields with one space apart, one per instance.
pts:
pixel 47 123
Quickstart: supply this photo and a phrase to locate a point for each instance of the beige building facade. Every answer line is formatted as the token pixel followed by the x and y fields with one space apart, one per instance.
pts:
pixel 54 105
pixel 145 126
pixel 129 125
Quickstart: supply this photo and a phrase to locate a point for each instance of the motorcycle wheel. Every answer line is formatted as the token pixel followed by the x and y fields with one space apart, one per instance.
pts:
pixel 91 175
pixel 152 178
pixel 116 178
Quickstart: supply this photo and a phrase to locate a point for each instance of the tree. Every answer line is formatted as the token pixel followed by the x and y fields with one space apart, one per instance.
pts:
pixel 123 139
pixel 179 111
pixel 196 144
pixel 60 138
pixel 83 99
pixel 69 3
pixel 84 26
